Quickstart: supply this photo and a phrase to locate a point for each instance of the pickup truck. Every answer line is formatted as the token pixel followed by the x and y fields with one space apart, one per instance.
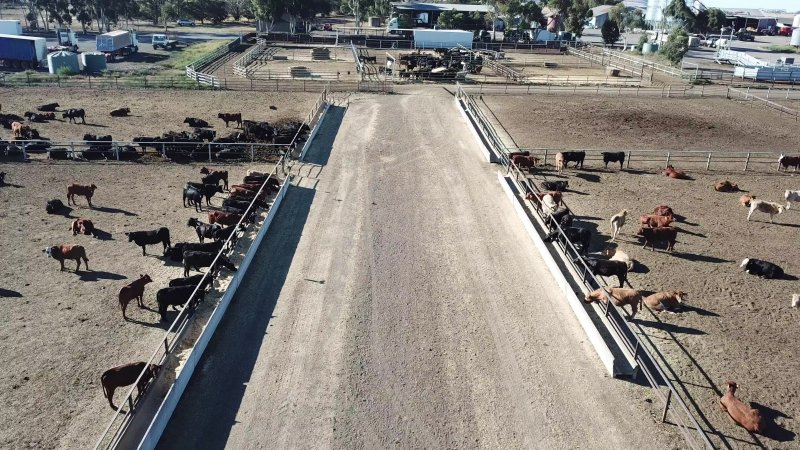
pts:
pixel 161 40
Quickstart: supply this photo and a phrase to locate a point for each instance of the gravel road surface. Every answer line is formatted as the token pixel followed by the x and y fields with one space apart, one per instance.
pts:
pixel 398 302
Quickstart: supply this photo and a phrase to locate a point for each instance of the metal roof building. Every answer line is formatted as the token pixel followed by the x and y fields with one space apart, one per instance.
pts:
pixel 439 7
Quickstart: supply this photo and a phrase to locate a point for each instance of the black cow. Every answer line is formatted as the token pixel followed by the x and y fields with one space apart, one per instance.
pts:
pixel 175 253
pixel 203 230
pixel 232 209
pixel 255 179
pixel 59 153
pixel 195 123
pixel 761 268
pixel 54 206
pixel 607 268
pixel 261 131
pixel 223 233
pixel 49 107
pixel 73 113
pixel 214 178
pixel 150 142
pixel 208 190
pixel 128 153
pixel 243 202
pixel 120 112
pixel 194 197
pixel 204 135
pixel 613 157
pixel 576 157
pixel 2 178
pixel 560 185
pixel 580 237
pixel 193 280
pixel 145 238
pixel 559 216
pixel 196 260
pixel 174 296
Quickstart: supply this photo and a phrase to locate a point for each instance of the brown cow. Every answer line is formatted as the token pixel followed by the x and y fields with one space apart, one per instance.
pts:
pixel 745 200
pixel 665 301
pixel 663 210
pixel 16 128
pixel 726 186
pixel 125 375
pixel 82 226
pixel 134 290
pixel 64 251
pixel 231 117
pixel 746 416
pixel 528 162
pixel 223 218
pixel 675 173
pixel 654 221
pixel 660 234
pixel 620 297
pixel 213 176
pixel 82 190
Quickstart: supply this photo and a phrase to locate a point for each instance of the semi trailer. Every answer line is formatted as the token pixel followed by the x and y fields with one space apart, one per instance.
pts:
pixel 22 52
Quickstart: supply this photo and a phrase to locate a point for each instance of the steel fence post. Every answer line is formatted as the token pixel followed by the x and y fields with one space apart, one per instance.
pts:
pixel 668 158
pixel 708 162
pixel 628 164
pixel 747 161
pixel 666 406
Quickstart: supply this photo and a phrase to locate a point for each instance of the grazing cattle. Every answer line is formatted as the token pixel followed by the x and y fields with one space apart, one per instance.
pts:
pixel 726 186
pixel 51 107
pixel 788 161
pixel 214 176
pixel 795 300
pixel 761 268
pixel 261 131
pixel 580 238
pixel 615 254
pixel 525 162
pixel 561 216
pixel 663 210
pixel 619 296
pixel 559 162
pixel 560 185
pixel 510 155
pixel 670 301
pixel 223 218
pixel 175 296
pixel 745 200
pixel 259 179
pixel 746 416
pixel 235 206
pixel 208 190
pixel 39 117
pixel 203 135
pixel 197 260
pixel 614 157
pixel 16 128
pixel 54 206
pixel 654 221
pixel 134 290
pixel 65 251
pixel 81 190
pixel 536 197
pixel 73 114
pixel 126 375
pixel 223 233
pixel 771 208
pixel 254 187
pixel 231 117
pixel 203 230
pixel 193 280
pixel 145 238
pixel 608 268
pixel 194 197
pixel 82 226
pixel 120 112
pixel 791 196
pixel 255 173
pixel 175 253
pixel 659 234
pixel 617 222
pixel 195 123
pixel 675 173
pixel 146 141
pixel 576 157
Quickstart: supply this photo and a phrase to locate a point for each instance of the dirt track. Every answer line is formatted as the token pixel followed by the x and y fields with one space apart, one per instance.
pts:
pixel 401 304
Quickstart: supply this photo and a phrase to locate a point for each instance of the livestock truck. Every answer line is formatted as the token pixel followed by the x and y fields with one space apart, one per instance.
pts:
pixel 11 27
pixel 22 52
pixel 117 43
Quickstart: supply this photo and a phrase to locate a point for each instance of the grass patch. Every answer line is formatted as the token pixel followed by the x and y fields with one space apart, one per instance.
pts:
pixel 783 49
pixel 179 59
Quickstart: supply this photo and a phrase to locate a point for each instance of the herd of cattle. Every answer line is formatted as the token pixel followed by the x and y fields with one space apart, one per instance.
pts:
pixel 655 228
pixel 180 146
pixel 223 223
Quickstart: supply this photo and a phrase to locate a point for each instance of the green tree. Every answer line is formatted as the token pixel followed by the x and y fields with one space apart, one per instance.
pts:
pixel 529 12
pixel 610 31
pixel 634 19
pixel 678 10
pixel 404 21
pixel 676 46
pixel 447 20
pixel 716 18
pixel 268 11
pixel 617 14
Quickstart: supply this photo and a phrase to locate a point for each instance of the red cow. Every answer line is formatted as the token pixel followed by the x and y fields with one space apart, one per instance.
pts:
pixel 744 415
pixel 663 210
pixel 660 234
pixel 134 290
pixel 675 173
pixel 528 162
pixel 64 251
pixel 126 375
pixel 223 218
pixel 654 221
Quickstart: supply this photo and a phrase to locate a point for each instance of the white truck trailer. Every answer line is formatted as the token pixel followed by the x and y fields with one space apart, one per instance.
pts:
pixel 425 38
pixel 11 27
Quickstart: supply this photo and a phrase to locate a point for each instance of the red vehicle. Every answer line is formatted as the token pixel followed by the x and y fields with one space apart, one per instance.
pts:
pixel 784 31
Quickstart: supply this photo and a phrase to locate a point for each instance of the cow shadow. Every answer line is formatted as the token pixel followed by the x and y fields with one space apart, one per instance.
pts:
pixel 700 258
pixel 9 293
pixel 670 327
pixel 66 212
pixel 692 233
pixel 99 275
pixel 639 267
pixel 94 125
pixel 636 172
pixel 790 225
pixel 11 185
pixel 106 209
pixel 592 178
pixel 699 311
pixel 786 276
pixel 773 429
pixel 102 235
pixel 573 191
pixel 157 324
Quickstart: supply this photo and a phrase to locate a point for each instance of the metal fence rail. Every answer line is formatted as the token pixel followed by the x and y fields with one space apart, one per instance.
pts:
pixel 240 65
pixel 740 94
pixel 194 70
pixel 174 335
pixel 663 388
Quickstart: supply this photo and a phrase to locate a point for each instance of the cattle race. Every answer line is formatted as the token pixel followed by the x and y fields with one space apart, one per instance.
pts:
pixel 458 225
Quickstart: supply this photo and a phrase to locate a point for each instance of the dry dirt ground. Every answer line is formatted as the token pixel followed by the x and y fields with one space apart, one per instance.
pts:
pixel 153 112
pixel 61 330
pixel 618 123
pixel 738 326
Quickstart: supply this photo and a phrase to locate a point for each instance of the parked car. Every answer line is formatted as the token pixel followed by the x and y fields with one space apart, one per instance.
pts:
pixel 185 22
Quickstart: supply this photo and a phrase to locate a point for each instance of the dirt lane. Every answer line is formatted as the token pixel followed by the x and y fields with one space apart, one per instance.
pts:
pixel 411 310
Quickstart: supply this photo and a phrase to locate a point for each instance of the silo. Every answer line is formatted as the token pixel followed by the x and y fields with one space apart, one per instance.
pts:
pixel 796 23
pixel 647 48
pixel 93 62
pixel 796 37
pixel 59 60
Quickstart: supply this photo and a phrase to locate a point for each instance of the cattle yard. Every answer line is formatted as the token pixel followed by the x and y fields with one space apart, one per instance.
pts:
pixel 736 326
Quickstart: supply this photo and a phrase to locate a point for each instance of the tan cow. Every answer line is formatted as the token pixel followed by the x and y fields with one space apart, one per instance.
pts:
pixel 665 301
pixel 620 297
pixel 742 414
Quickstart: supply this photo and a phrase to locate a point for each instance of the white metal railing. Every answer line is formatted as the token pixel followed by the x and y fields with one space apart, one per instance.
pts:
pixel 240 66
pixel 691 430
pixel 738 58
pixel 111 435
pixel 742 94
pixel 194 70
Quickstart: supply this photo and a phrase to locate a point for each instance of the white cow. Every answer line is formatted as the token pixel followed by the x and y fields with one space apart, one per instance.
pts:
pixel 617 221
pixel 771 208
